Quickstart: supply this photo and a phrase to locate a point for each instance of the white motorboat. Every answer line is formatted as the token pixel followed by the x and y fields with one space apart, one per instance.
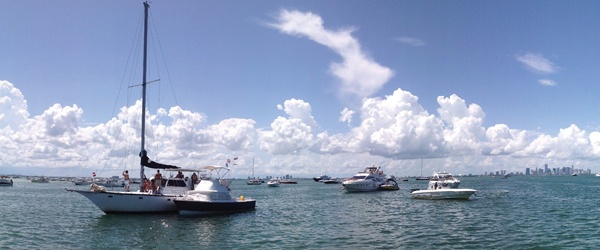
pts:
pixel 321 178
pixel 370 179
pixel 273 183
pixel 443 186
pixel 41 179
pixel 332 181
pixel 212 197
pixel 157 198
pixel 6 181
pixel 598 175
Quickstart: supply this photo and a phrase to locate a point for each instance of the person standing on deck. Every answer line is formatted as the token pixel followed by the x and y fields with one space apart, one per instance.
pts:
pixel 126 180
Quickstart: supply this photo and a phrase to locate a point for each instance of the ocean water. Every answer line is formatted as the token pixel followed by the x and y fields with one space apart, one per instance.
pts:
pixel 553 212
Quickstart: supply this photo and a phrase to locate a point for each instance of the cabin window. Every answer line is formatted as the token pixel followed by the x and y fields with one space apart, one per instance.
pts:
pixel 177 183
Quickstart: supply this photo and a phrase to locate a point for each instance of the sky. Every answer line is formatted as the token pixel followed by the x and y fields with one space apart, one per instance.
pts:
pixel 300 87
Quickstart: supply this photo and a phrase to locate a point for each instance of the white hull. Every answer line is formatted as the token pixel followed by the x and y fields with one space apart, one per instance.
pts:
pixel 361 185
pixel 442 194
pixel 130 202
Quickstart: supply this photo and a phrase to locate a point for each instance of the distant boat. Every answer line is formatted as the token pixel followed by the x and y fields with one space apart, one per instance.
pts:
pixel 41 179
pixel 273 183
pixel 288 181
pixel 422 178
pixel 321 178
pixel 253 180
pixel 598 175
pixel 332 181
pixel 574 174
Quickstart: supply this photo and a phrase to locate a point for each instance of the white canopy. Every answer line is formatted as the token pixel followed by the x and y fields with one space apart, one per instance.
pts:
pixel 214 168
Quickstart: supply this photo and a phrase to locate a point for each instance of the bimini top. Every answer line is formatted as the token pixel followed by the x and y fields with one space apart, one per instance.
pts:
pixel 214 168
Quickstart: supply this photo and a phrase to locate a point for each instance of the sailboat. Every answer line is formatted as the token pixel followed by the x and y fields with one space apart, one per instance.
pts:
pixel 422 178
pixel 254 181
pixel 144 200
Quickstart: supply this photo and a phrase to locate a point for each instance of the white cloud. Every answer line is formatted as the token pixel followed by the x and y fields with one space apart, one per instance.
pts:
pixel 290 135
pixel 395 127
pixel 299 109
pixel 13 107
pixel 234 133
pixel 359 74
pixel 537 63
pixel 465 123
pixel 411 41
pixel 390 130
pixel 346 115
pixel 501 140
pixel 547 82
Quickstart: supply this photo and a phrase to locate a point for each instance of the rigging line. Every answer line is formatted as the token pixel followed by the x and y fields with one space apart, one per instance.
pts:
pixel 135 45
pixel 187 135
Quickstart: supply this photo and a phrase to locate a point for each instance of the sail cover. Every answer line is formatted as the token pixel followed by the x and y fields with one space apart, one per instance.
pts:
pixel 146 162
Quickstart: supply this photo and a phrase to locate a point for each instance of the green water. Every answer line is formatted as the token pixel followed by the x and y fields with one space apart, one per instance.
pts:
pixel 554 212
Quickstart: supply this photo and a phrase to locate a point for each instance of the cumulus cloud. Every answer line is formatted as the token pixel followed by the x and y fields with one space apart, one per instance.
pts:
pixel 359 74
pixel 501 140
pixel 346 115
pixel 464 123
pixel 411 41
pixel 396 126
pixel 235 134
pixel 299 109
pixel 290 135
pixel 389 130
pixel 537 63
pixel 13 107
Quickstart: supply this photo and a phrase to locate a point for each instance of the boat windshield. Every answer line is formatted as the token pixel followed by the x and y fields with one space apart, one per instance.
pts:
pixel 358 177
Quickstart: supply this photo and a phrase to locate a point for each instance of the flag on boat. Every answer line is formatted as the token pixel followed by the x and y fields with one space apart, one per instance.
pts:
pixel 93 174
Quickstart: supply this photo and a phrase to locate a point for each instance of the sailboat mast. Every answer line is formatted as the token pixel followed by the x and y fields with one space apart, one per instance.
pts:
pixel 146 6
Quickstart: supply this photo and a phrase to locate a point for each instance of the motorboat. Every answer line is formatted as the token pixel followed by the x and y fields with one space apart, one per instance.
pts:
pixel 154 197
pixel 443 186
pixel 288 181
pixel 332 181
pixel 41 179
pixel 390 184
pixel 368 180
pixel 6 181
pixel 598 175
pixel 273 183
pixel 212 197
pixel 321 178
pixel 82 182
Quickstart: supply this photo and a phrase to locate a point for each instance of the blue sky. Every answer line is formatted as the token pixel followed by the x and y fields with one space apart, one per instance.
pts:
pixel 471 86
